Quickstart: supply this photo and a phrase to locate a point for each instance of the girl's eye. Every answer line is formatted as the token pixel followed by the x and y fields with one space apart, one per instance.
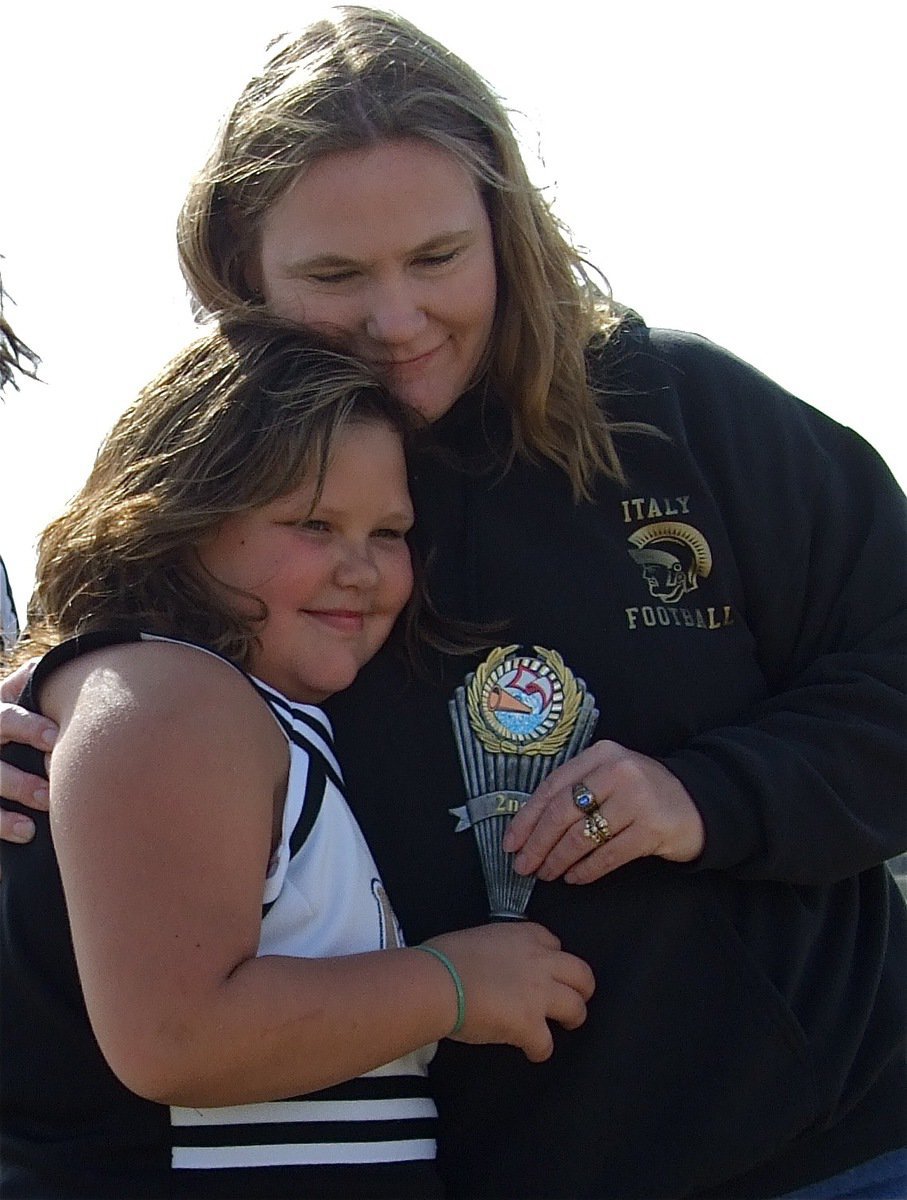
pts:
pixel 392 534
pixel 313 525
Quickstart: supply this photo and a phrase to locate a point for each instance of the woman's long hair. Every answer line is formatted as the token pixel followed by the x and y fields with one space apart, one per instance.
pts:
pixel 360 78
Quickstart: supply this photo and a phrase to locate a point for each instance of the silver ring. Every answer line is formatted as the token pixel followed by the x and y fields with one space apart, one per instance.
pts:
pixel 584 798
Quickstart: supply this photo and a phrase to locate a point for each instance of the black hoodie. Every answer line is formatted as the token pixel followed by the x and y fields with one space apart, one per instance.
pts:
pixel 737 611
pixel 748 1029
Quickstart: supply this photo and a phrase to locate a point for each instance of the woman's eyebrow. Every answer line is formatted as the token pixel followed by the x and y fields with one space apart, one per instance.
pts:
pixel 333 262
pixel 443 239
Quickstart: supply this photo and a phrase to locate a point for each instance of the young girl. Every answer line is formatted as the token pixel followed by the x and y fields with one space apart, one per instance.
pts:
pixel 220 1023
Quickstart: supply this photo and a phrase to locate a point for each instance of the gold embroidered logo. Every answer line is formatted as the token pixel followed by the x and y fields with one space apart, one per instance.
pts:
pixel 673 556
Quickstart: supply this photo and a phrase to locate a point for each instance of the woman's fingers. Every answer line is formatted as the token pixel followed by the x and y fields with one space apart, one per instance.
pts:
pixel 16 827
pixel 638 809
pixel 26 728
pixel 19 726
pixel 580 840
pixel 11 686
pixel 539 808
pixel 632 844
pixel 549 829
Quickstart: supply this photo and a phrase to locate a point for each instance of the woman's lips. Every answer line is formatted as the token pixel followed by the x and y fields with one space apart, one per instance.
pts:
pixel 402 364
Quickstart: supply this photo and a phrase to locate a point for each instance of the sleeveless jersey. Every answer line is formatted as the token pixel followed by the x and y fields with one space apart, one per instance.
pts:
pixel 372 1136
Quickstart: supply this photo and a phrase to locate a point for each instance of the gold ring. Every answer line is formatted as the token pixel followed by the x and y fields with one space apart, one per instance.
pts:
pixel 597 829
pixel 584 798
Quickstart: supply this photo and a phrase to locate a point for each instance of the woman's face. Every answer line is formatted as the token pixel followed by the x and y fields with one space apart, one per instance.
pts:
pixel 388 251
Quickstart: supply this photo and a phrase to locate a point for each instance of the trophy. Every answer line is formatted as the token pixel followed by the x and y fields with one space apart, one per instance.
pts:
pixel 515 719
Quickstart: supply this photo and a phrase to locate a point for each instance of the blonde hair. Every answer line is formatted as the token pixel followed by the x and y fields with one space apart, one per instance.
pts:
pixel 237 419
pixel 362 77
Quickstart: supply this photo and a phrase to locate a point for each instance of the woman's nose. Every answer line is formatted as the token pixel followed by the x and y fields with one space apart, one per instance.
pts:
pixel 395 314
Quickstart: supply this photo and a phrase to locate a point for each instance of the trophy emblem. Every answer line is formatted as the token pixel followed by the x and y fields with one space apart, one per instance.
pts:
pixel 516 718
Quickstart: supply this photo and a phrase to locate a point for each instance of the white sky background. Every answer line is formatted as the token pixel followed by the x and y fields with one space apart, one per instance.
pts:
pixel 735 168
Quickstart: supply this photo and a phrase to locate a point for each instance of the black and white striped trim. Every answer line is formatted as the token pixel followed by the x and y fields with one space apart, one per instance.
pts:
pixel 368 1120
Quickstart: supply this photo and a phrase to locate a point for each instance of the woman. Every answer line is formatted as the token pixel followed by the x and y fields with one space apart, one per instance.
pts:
pixel 194 1019
pixel 721 565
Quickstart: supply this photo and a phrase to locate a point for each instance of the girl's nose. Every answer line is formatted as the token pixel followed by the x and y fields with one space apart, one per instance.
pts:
pixel 356 567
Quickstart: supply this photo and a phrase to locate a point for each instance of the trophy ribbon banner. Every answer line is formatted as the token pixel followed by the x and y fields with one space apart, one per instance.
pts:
pixel 515 719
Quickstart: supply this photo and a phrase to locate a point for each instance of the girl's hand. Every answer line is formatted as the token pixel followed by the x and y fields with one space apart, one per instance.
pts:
pixel 516 978
pixel 643 810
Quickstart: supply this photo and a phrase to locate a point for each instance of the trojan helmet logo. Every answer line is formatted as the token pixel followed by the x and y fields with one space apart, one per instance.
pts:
pixel 673 557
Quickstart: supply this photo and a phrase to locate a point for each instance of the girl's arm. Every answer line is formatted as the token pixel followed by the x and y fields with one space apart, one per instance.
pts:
pixel 162 798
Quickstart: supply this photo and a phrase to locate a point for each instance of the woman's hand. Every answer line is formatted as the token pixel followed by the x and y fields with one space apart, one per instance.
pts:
pixel 29 729
pixel 516 979
pixel 642 810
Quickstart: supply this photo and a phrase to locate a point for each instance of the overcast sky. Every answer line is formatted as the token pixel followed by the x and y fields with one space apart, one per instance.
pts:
pixel 734 168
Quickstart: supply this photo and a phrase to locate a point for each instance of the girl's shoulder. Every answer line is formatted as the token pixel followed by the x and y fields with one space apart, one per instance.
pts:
pixel 122 688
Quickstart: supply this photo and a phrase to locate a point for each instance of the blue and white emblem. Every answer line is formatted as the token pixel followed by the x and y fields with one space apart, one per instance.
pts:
pixel 523 703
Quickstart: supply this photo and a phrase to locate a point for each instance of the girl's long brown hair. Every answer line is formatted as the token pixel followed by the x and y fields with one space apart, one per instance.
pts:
pixel 237 419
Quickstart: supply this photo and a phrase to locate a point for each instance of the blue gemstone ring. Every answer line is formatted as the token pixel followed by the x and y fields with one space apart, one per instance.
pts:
pixel 584 799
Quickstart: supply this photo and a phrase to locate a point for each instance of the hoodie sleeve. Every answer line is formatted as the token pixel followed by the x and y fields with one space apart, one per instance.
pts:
pixel 808 786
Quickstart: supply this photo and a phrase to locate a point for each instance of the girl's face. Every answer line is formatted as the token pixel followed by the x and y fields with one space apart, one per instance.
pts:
pixel 388 251
pixel 334 577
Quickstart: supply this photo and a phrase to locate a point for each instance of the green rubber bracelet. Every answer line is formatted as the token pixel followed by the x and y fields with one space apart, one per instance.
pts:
pixel 457 982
